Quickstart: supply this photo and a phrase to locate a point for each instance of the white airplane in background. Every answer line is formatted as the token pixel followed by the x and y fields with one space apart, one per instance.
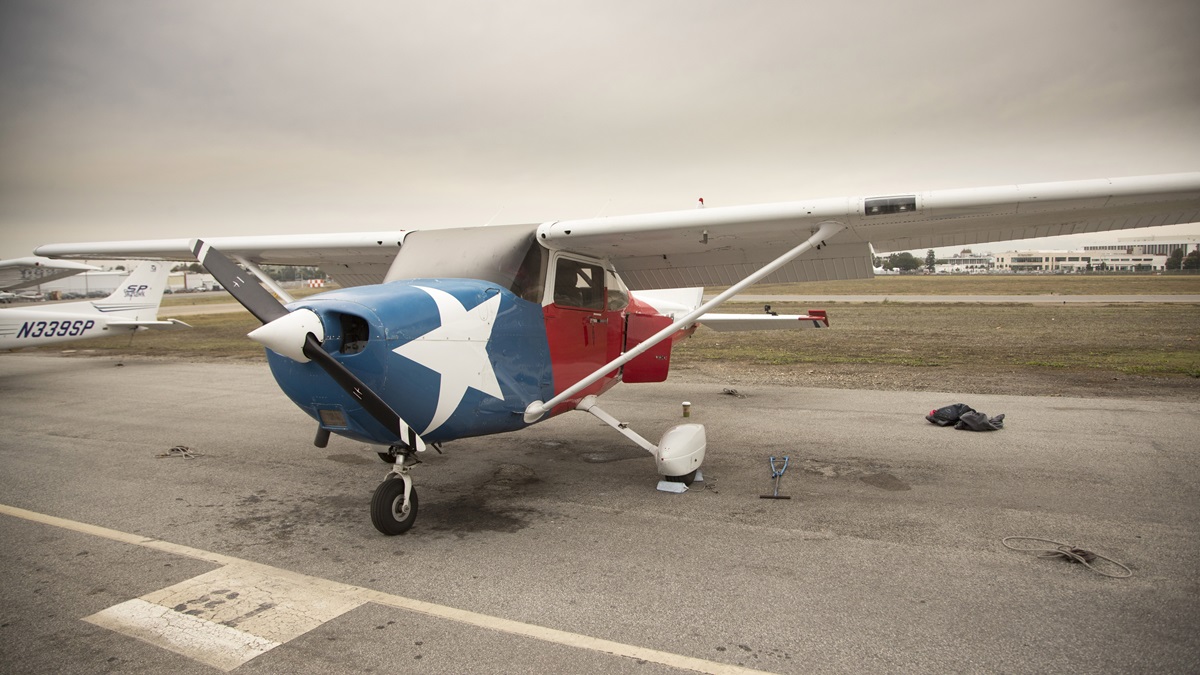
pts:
pixel 133 306
pixel 445 334
pixel 17 273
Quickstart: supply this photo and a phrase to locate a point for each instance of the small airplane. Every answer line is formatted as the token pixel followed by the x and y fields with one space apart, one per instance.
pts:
pixel 133 306
pixel 444 334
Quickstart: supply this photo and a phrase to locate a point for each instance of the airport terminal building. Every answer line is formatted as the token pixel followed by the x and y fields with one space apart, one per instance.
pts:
pixel 1153 245
pixel 1140 254
pixel 1078 261
pixel 965 263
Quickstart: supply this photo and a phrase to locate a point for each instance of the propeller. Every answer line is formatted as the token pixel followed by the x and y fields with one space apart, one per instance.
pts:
pixel 297 335
pixel 241 285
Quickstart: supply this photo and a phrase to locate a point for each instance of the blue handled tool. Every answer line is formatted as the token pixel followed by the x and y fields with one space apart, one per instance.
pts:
pixel 778 466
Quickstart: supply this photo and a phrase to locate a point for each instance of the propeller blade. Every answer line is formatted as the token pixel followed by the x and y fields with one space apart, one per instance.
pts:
pixel 243 286
pixel 377 407
pixel 246 289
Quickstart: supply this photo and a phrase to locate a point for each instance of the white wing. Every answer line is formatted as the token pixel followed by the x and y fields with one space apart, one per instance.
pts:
pixel 718 246
pixel 18 273
pixel 352 258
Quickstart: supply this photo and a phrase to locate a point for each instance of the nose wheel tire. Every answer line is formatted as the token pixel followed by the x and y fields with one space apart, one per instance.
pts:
pixel 389 514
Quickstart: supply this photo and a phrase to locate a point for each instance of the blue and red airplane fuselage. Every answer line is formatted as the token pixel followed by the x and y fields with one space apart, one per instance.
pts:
pixel 461 357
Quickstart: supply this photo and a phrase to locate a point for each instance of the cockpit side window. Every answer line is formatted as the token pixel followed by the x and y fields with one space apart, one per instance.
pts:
pixel 578 284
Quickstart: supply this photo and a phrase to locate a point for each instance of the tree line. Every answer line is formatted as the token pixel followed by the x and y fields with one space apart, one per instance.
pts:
pixel 1178 261
pixel 905 262
pixel 276 272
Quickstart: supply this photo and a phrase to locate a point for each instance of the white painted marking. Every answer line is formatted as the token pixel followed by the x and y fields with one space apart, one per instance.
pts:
pixel 330 594
pixel 253 598
pixel 230 615
pixel 205 641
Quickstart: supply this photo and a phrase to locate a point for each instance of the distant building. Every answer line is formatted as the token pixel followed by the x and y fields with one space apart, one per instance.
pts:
pixel 1137 262
pixel 965 263
pixel 1152 245
pixel 94 284
pixel 184 282
pixel 1078 261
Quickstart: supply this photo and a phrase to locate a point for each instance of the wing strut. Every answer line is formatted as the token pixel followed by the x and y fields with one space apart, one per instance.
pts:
pixel 266 279
pixel 826 230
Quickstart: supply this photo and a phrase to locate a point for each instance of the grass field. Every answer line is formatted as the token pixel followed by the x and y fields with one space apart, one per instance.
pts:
pixel 219 297
pixel 1129 338
pixel 916 284
pixel 993 284
pixel 952 344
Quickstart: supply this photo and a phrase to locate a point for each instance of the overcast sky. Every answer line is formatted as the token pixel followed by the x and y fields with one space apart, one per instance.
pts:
pixel 137 119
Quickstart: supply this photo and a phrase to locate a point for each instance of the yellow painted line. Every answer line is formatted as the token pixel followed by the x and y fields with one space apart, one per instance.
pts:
pixel 345 597
pixel 117 535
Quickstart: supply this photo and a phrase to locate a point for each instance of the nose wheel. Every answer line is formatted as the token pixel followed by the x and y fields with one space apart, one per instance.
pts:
pixel 394 504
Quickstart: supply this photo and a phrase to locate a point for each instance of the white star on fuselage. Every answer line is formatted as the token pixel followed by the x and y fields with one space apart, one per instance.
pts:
pixel 457 351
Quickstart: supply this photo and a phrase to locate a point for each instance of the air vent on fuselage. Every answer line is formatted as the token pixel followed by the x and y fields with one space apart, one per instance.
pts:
pixel 356 332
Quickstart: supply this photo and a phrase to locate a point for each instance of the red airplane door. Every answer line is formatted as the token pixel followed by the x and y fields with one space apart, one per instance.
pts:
pixel 579 322
pixel 653 364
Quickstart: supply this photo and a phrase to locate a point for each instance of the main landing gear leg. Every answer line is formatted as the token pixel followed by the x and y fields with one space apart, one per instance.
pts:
pixel 678 455
pixel 394 504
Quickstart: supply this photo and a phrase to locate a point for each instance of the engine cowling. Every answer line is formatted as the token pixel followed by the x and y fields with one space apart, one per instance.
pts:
pixel 367 328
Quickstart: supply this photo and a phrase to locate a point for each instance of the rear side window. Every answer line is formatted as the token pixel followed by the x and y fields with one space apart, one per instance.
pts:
pixel 531 275
pixel 618 294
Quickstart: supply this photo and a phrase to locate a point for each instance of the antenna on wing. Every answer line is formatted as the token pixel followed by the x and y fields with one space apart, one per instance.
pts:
pixel 495 215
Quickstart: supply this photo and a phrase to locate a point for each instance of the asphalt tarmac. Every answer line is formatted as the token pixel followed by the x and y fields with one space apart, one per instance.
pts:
pixel 549 550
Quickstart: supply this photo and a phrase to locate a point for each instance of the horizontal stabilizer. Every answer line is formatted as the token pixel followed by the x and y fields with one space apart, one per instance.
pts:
pixel 672 302
pixel 169 324
pixel 727 323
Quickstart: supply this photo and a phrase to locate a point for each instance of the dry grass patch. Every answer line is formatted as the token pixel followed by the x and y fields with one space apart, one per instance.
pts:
pixel 1140 350
pixel 1136 338
pixel 994 284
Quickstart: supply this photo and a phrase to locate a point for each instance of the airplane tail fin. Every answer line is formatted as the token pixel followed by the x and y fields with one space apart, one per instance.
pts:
pixel 139 296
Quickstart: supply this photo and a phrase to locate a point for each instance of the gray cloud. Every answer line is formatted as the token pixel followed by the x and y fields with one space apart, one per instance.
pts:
pixel 143 119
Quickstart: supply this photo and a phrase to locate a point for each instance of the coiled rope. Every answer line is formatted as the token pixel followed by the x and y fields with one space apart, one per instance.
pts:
pixel 1070 554
pixel 180 451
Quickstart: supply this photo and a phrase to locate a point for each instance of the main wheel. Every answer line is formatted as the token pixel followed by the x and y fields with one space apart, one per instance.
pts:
pixel 388 513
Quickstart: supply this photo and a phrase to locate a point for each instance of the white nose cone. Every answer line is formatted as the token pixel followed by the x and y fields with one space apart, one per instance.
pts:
pixel 285 336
